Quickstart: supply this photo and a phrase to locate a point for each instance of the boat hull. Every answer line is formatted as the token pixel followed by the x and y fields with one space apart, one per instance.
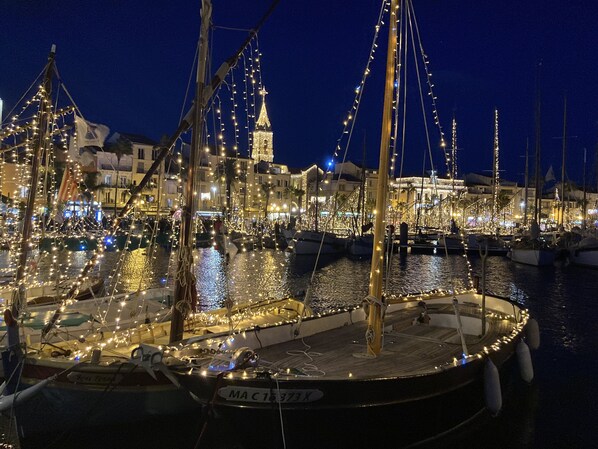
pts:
pixel 584 257
pixel 535 257
pixel 445 393
pixel 98 396
pixel 310 243
pixel 416 408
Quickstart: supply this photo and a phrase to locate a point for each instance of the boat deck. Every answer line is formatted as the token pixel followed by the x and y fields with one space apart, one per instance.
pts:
pixel 409 349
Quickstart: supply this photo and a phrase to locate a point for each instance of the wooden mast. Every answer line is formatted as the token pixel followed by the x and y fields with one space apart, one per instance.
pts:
pixel 44 111
pixel 375 323
pixel 185 282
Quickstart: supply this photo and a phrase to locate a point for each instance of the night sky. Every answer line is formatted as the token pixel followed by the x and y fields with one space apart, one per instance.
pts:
pixel 127 63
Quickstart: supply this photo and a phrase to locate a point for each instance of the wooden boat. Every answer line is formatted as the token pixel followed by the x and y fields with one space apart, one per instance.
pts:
pixel 52 293
pixel 117 375
pixel 84 369
pixel 431 362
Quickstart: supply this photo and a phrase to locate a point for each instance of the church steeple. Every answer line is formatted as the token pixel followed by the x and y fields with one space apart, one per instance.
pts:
pixel 263 122
pixel 263 148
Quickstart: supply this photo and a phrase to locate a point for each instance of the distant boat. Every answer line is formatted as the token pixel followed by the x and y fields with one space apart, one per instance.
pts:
pixel 532 252
pixel 314 242
pixel 584 253
pixel 361 246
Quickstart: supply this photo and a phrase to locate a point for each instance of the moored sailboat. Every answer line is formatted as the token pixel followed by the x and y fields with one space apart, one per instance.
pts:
pixel 431 362
pixel 117 375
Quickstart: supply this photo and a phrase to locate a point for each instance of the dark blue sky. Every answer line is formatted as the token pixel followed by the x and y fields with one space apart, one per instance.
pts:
pixel 127 64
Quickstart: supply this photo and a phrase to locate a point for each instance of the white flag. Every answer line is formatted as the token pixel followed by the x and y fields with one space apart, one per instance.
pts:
pixel 90 134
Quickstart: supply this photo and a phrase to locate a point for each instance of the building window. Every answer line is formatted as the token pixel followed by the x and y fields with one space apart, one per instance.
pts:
pixel 140 167
pixel 108 180
pixel 155 153
pixel 140 153
pixel 123 181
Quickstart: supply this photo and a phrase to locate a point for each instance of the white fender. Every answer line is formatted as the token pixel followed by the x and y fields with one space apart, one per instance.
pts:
pixel 492 390
pixel 7 402
pixel 532 333
pixel 526 367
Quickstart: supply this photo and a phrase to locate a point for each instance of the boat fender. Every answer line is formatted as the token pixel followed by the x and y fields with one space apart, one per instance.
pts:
pixel 532 333
pixel 492 390
pixel 526 367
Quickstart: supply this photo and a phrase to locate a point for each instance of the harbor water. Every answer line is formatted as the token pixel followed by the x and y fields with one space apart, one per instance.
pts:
pixel 558 410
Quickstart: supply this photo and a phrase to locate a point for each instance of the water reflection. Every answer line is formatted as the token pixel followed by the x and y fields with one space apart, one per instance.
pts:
pixel 562 299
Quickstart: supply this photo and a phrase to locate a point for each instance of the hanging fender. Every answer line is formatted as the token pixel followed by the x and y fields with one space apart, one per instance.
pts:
pixel 532 334
pixel 492 389
pixel 526 367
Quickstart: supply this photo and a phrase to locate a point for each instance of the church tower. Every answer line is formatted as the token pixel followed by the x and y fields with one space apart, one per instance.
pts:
pixel 263 148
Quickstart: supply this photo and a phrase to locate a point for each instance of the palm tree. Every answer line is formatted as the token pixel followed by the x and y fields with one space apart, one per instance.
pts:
pixel 297 193
pixel 89 186
pixel 267 189
pixel 120 147
pixel 228 170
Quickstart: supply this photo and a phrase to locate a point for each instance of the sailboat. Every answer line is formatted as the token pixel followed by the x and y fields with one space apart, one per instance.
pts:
pixel 312 242
pixel 71 379
pixel 531 249
pixel 421 363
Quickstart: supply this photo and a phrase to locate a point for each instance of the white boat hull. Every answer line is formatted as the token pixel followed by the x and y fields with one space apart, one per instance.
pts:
pixel 584 257
pixel 535 257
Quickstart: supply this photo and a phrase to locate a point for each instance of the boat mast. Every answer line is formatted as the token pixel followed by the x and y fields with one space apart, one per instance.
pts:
pixel 538 185
pixel 495 174
pixel 361 198
pixel 44 112
pixel 525 195
pixel 585 203
pixel 375 324
pixel 317 196
pixel 562 217
pixel 185 282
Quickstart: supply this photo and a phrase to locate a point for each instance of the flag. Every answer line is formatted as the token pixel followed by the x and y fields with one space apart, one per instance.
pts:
pixel 90 134
pixel 550 175
pixel 68 186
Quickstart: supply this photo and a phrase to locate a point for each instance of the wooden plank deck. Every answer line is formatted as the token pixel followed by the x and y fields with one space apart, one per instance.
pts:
pixel 408 349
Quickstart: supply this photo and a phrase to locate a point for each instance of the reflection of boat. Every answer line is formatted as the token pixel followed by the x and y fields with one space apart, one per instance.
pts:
pixel 431 361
